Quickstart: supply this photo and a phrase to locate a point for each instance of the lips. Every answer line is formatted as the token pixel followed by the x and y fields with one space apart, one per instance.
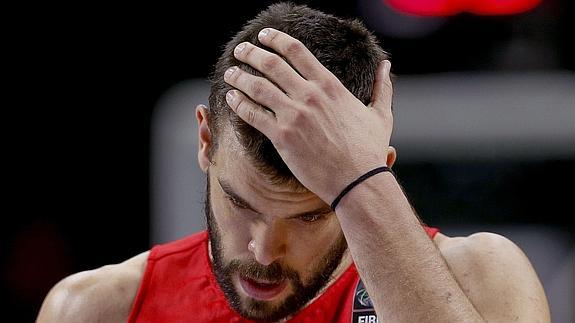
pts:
pixel 261 289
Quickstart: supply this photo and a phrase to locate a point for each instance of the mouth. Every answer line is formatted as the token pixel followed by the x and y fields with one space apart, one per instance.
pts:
pixel 261 289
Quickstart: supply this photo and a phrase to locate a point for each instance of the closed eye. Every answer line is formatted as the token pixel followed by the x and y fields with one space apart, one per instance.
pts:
pixel 237 203
pixel 306 218
pixel 311 218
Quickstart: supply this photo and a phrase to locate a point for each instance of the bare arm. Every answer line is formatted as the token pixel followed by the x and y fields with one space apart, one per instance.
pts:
pixel 101 295
pixel 497 277
pixel 405 274
pixel 484 277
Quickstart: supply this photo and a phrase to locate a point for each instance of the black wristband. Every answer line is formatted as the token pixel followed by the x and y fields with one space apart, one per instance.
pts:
pixel 357 181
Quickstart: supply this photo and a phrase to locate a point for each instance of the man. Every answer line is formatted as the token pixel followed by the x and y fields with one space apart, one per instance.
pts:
pixel 306 222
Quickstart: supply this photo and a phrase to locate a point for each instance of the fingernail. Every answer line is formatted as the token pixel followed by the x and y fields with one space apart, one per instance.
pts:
pixel 239 48
pixel 263 33
pixel 229 72
pixel 230 96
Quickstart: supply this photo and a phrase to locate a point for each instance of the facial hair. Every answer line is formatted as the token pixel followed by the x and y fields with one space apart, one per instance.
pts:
pixel 253 309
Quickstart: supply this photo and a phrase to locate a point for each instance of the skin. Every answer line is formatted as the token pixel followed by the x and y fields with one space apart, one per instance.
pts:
pixel 277 227
pixel 310 108
pixel 482 277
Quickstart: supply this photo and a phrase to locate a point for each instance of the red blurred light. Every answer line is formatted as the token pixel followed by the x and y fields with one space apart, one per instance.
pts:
pixel 453 7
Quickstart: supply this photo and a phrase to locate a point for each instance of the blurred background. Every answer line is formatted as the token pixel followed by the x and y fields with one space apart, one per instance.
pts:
pixel 102 144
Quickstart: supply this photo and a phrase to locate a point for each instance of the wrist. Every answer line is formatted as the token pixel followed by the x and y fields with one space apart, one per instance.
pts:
pixel 359 181
pixel 375 192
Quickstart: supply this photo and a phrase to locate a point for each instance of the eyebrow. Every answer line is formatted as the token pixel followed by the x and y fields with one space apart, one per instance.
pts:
pixel 226 187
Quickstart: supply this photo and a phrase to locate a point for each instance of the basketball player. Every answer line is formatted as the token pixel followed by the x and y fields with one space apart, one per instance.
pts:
pixel 306 220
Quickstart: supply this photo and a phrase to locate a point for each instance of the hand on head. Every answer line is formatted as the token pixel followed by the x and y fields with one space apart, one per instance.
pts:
pixel 325 135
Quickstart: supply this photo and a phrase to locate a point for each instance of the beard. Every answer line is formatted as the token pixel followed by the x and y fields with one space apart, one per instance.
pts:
pixel 302 293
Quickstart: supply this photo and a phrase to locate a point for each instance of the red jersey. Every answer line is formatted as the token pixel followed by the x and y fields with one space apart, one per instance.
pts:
pixel 179 286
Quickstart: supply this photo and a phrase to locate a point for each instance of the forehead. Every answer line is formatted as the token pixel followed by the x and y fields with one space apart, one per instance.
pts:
pixel 234 167
pixel 232 159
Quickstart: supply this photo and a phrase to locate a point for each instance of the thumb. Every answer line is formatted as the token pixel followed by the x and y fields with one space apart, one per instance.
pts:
pixel 382 87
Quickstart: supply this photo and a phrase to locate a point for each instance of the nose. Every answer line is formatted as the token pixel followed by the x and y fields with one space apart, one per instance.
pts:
pixel 268 243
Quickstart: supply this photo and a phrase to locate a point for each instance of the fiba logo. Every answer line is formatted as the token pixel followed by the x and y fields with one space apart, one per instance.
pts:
pixel 362 311
pixel 363 298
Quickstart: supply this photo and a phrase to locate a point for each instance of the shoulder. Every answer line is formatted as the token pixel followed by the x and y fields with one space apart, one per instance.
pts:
pixel 497 277
pixel 104 294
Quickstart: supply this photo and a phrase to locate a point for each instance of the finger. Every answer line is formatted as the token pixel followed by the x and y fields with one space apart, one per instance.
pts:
pixel 382 88
pixel 259 89
pixel 272 66
pixel 252 113
pixel 295 52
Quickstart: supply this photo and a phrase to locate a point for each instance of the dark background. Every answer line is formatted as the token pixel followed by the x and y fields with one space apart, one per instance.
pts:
pixel 84 80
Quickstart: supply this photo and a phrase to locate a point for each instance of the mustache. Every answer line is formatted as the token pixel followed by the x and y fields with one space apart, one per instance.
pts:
pixel 274 272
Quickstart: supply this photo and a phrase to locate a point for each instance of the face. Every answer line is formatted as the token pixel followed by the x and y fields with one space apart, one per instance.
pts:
pixel 273 249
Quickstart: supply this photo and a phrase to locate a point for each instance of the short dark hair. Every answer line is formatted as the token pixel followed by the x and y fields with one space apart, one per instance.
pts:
pixel 344 46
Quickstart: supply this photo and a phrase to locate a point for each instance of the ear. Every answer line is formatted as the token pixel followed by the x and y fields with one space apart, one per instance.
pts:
pixel 391 156
pixel 204 137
